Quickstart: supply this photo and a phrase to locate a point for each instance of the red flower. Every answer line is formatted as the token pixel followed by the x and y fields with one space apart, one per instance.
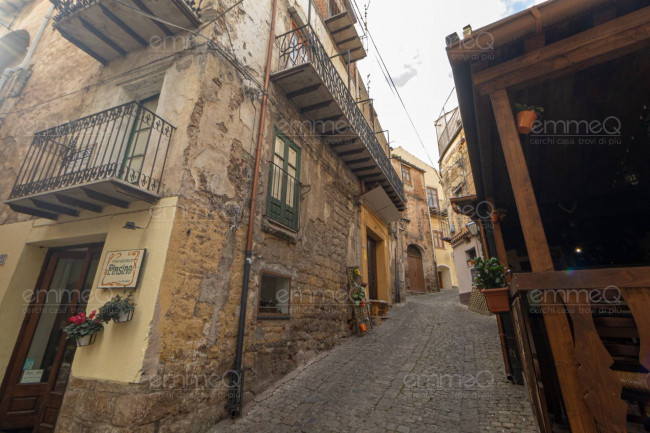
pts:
pixel 92 314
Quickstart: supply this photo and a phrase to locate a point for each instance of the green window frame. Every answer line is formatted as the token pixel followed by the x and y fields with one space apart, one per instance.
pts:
pixel 284 182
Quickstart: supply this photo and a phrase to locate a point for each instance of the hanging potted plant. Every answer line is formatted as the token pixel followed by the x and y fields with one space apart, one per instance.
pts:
pixel 83 328
pixel 119 309
pixel 499 215
pixel 491 279
pixel 526 115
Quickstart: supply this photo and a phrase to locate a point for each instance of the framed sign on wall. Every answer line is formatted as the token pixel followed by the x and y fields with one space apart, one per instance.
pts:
pixel 121 269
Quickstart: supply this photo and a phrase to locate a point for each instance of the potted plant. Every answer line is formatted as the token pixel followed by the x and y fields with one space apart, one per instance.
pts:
pixel 119 309
pixel 83 328
pixel 499 215
pixel 358 295
pixel 491 279
pixel 526 115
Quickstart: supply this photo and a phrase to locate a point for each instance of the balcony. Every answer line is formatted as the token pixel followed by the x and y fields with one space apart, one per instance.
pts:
pixel 114 157
pixel 340 24
pixel 309 78
pixel 108 29
pixel 448 127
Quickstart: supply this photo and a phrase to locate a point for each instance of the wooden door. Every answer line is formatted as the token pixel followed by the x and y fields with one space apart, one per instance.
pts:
pixel 416 272
pixel 372 269
pixel 39 368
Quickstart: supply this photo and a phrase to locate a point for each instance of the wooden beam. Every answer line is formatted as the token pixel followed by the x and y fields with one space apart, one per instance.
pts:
pixel 369 167
pixel 55 208
pixel 555 319
pixel 358 161
pixel 531 222
pixel 593 46
pixel 583 279
pixel 123 26
pixel 316 106
pixel 35 212
pixel 102 37
pixel 95 195
pixel 352 152
pixel 303 91
pixel 82 204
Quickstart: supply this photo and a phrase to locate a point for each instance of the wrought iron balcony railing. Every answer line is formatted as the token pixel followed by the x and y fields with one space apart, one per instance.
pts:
pixel 127 143
pixel 66 8
pixel 301 46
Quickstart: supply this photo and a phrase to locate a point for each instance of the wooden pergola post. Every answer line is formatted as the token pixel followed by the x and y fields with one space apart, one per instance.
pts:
pixel 557 324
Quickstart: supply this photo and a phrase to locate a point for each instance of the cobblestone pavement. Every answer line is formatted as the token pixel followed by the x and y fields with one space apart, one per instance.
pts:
pixel 433 366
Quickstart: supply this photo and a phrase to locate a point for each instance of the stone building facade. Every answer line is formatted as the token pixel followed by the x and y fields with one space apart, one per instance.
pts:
pixel 438 207
pixel 150 144
pixel 458 184
pixel 415 235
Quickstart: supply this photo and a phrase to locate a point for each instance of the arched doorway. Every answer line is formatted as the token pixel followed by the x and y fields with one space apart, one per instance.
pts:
pixel 416 271
pixel 444 277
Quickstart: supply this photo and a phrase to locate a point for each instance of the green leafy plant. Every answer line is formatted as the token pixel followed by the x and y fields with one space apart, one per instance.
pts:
pixel 82 325
pixel 522 107
pixel 117 305
pixel 358 294
pixel 490 274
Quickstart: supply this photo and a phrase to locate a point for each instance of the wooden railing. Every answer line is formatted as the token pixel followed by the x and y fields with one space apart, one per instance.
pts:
pixel 605 313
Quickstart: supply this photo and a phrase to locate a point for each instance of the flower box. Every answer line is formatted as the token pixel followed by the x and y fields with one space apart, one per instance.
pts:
pixel 497 299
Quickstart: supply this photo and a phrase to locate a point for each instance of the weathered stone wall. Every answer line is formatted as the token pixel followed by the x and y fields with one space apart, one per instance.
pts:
pixel 216 109
pixel 417 228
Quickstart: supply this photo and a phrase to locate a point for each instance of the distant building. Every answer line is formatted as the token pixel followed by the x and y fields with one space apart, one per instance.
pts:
pixel 458 186
pixel 424 224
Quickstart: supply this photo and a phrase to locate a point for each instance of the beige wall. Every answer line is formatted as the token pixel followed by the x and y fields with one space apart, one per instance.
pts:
pixel 119 351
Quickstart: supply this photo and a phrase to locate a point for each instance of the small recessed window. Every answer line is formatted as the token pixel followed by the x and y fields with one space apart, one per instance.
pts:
pixel 275 293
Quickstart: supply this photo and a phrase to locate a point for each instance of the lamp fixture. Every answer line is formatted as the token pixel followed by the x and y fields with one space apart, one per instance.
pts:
pixel 473 228
pixel 130 225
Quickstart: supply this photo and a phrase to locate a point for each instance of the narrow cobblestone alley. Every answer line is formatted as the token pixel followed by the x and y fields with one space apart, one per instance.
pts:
pixel 433 367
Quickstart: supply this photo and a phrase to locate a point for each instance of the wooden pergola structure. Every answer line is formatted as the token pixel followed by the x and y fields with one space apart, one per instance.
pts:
pixel 577 191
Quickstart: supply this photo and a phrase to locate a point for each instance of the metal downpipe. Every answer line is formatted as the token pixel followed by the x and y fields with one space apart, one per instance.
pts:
pixel 236 384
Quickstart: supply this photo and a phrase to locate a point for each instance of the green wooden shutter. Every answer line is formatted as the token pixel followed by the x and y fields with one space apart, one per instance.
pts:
pixel 284 182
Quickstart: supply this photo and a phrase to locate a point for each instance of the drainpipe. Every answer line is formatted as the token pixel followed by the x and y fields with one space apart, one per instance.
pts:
pixel 7 72
pixel 236 386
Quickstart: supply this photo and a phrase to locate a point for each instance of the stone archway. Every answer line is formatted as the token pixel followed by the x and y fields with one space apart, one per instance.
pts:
pixel 444 277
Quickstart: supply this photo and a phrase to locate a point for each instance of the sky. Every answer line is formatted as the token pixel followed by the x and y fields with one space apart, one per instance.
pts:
pixel 411 40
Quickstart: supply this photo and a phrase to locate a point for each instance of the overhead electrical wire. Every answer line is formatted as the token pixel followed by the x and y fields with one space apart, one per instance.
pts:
pixel 391 83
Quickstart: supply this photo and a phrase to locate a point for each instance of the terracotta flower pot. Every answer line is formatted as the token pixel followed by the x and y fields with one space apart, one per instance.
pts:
pixel 497 299
pixel 495 217
pixel 525 121
pixel 362 326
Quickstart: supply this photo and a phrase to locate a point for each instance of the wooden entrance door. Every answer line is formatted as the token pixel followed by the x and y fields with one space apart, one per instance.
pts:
pixel 416 272
pixel 39 368
pixel 372 268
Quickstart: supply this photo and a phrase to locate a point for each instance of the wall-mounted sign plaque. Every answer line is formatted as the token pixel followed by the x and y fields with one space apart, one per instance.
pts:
pixel 121 269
